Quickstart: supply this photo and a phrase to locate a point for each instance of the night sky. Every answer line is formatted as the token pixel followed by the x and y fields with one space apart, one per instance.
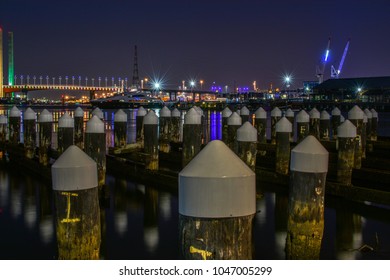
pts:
pixel 221 41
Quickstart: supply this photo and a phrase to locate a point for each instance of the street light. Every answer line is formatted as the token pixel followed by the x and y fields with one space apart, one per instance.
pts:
pixel 66 80
pixel 28 79
pixel 86 81
pixel 201 84
pixel 34 79
pixel 93 82
pixel 99 80
pixel 60 78
pixel 79 81
pixel 73 81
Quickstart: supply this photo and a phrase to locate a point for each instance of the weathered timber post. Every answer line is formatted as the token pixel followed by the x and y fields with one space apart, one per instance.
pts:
pixel 247 144
pixel 355 115
pixel 151 141
pixel 217 203
pixel 276 115
pixel 244 114
pixel 374 125
pixel 261 125
pixel 368 133
pixel 302 120
pixel 74 179
pixel 141 113
pixel 14 126
pixel 336 120
pixel 176 124
pixel 314 123
pixel 29 132
pixel 342 119
pixel 234 123
pixel 120 129
pixel 291 116
pixel 45 124
pixel 346 137
pixel 95 146
pixel 205 127
pixel 305 226
pixel 325 126
pixel 364 135
pixel 283 130
pixel 65 132
pixel 226 113
pixel 165 130
pixel 79 128
pixel 192 135
pixel 3 129
pixel 97 112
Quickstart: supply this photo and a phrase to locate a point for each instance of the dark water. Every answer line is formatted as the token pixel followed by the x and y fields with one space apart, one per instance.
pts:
pixel 141 221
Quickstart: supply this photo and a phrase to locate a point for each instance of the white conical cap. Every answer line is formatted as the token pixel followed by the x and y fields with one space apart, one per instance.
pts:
pixel 3 119
pixel 283 125
pixel 226 112
pixel 276 112
pixel 15 112
pixel 165 112
pixel 355 113
pixel 216 183
pixel 309 156
pixel 289 113
pixel 244 111
pixel 247 133
pixel 176 113
pixel 74 170
pixel 95 125
pixel 261 113
pixel 29 114
pixel 314 114
pixel 66 121
pixel 78 113
pixel 199 110
pixel 368 113
pixel 192 117
pixel 151 118
pixel 97 112
pixel 141 112
pixel 120 116
pixel 374 113
pixel 238 111
pixel 234 119
pixel 346 130
pixel 45 116
pixel 325 115
pixel 336 112
pixel 303 117
pixel 365 119
pixel 342 119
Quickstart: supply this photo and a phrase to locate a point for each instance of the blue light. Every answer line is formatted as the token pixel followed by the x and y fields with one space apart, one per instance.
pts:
pixel 326 55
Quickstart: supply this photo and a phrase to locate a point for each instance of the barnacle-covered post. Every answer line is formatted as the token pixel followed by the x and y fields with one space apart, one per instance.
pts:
pixel 303 120
pixel 29 132
pixel 120 129
pixel 192 135
pixel 346 135
pixel 247 144
pixel 151 141
pixel 283 130
pixel 45 124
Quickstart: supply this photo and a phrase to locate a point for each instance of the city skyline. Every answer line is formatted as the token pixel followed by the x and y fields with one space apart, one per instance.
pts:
pixel 226 42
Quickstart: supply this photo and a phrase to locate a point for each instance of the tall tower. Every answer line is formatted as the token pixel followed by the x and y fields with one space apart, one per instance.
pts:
pixel 1 63
pixel 11 59
pixel 135 83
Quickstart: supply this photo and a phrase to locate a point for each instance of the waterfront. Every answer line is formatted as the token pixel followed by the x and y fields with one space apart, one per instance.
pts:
pixel 140 221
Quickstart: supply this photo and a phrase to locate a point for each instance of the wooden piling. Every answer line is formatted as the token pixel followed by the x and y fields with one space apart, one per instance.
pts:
pixel 314 123
pixel 176 126
pixel 165 130
pixel 141 113
pixel 346 137
pixel 305 226
pixel 65 132
pixel 3 129
pixel 261 125
pixel 120 129
pixel 369 146
pixel 151 141
pixel 364 135
pixel 14 126
pixel 226 113
pixel 324 126
pixel 289 114
pixel 95 146
pixel 374 125
pixel 336 120
pixel 234 123
pixel 97 112
pixel 45 125
pixel 74 181
pixel 276 115
pixel 79 128
pixel 244 114
pixel 283 130
pixel 355 115
pixel 29 133
pixel 217 203
pixel 247 144
pixel 192 136
pixel 302 121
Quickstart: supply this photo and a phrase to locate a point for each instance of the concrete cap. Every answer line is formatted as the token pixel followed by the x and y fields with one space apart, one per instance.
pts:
pixel 120 116
pixel 95 125
pixel 314 114
pixel 325 115
pixel 226 112
pixel 29 114
pixel 176 113
pixel 247 133
pixel 3 119
pixel 261 113
pixel 66 121
pixel 238 111
pixel 74 170
pixel 309 156
pixel 346 130
pixel 15 112
pixel 216 183
pixel 45 116
pixel 192 117
pixel 79 113
pixel 342 119
pixel 276 112
pixel 97 112
pixel 374 113
pixel 199 110
pixel 151 118
pixel 283 125
pixel 141 112
pixel 244 111
pixel 165 112
pixel 365 119
pixel 355 113
pixel 368 113
pixel 234 119
pixel 289 113
pixel 303 117
pixel 336 112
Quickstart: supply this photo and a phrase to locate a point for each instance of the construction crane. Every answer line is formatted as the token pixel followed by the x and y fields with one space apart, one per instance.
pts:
pixel 335 73
pixel 321 69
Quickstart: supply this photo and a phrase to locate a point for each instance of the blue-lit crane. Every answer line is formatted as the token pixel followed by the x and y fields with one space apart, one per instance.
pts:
pixel 321 69
pixel 335 73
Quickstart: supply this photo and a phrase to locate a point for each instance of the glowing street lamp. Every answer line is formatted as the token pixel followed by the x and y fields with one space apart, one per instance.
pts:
pixel 60 79
pixel 86 81
pixel 99 80
pixel 106 79
pixel 66 80
pixel 79 81
pixel 40 79
pixel 93 82
pixel 201 84
pixel 34 79
pixel 73 81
